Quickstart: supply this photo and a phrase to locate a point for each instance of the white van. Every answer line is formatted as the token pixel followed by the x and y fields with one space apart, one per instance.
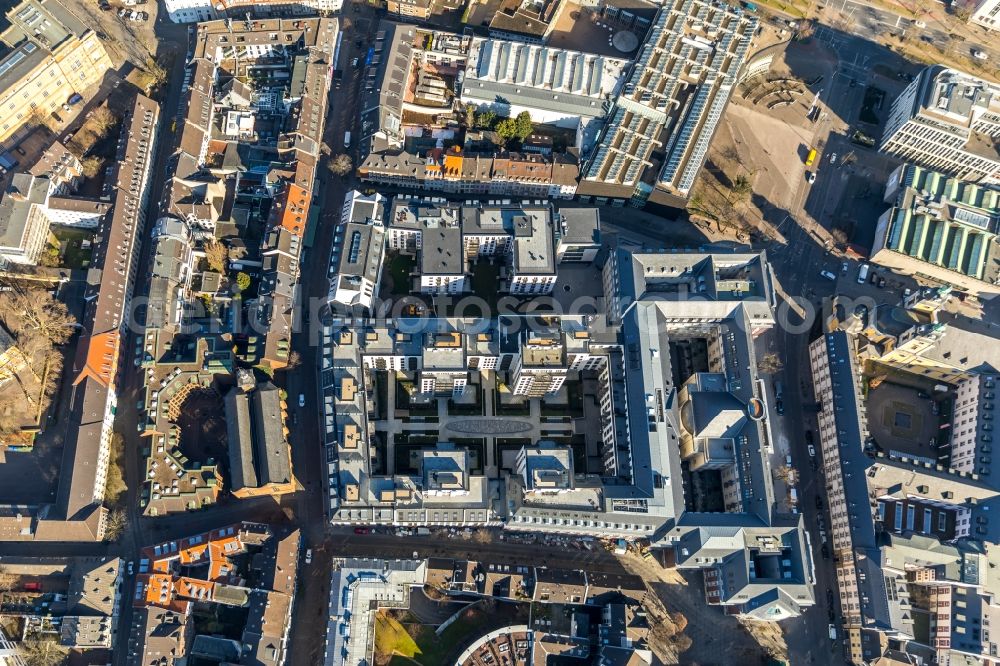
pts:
pixel 863 273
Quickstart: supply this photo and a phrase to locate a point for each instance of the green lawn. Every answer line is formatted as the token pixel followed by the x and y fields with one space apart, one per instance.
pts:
pixel 400 268
pixel 485 285
pixel 71 246
pixel 422 646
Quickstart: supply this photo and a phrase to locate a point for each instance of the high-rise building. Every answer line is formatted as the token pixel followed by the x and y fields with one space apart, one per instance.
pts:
pixel 948 121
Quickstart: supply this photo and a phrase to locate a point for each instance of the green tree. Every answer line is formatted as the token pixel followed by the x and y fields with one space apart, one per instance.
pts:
pixel 486 119
pixel 523 126
pixel 242 281
pixel 469 115
pixel 506 129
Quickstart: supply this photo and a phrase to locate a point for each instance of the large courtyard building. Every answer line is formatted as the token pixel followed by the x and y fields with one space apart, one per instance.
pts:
pixel 905 432
pixel 672 405
pixel 948 121
pixel 52 55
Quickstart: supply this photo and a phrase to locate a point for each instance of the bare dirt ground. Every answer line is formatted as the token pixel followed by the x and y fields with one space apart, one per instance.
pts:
pixel 709 637
pixel 125 40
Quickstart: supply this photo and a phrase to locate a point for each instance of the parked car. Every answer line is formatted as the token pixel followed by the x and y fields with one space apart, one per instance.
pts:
pixel 75 98
pixel 812 177
pixel 833 158
pixel 309 555
pixel 881 283
pixel 920 24
pixel 361 530
pixel 979 54
pixel 302 399
pixel 812 450
pixel 828 275
pixel 131 568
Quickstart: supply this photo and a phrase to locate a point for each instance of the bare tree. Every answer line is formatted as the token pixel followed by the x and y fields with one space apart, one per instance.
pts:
pixel 157 73
pixel 30 312
pixel 216 255
pixel 7 580
pixel 115 486
pixel 770 364
pixel 116 525
pixel 294 360
pixel 102 120
pixel 785 473
pixel 839 236
pixel 92 166
pixel 482 535
pixel 341 165
pixel 42 653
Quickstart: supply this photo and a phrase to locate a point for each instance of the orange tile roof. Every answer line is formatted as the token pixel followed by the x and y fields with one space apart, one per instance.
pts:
pixel 192 588
pixel 165 589
pixel 296 207
pixel 453 165
pixel 101 357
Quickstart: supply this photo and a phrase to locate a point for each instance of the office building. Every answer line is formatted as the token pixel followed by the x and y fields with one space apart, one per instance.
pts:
pixel 671 105
pixel 947 121
pixel 940 230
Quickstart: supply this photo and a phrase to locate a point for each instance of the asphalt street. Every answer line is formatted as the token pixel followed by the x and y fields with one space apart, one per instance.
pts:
pixel 797 266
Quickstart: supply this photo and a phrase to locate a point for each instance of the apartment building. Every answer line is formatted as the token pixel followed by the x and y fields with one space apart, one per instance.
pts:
pixel 947 121
pixel 448 237
pixel 24 226
pixel 941 230
pixel 211 167
pixel 214 568
pixel 642 414
pixel 411 9
pixel 358 250
pixel 53 55
pixel 171 273
pixel 198 11
pixel 987 14
pixel 672 103
pixel 93 399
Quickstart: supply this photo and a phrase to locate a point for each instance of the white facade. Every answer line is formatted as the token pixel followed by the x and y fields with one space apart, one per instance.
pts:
pixel 987 14
pixel 975 407
pixel 195 11
pixel 532 284
pixel 948 121
pixel 190 11
pixel 442 284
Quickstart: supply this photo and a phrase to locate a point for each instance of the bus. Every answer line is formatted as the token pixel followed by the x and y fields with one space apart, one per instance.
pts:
pixel 811 157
